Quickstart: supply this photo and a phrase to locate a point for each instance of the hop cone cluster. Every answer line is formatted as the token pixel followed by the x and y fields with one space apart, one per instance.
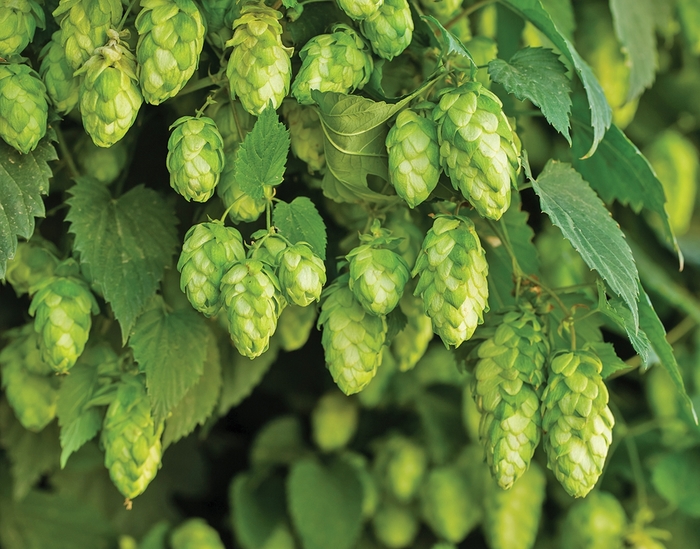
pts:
pixel 338 62
pixel 57 73
pixel 507 382
pixel 453 286
pixel 259 69
pixel 334 421
pixel 34 262
pixel 195 157
pixel 306 134
pixel 410 344
pixel 302 274
pixel 576 420
pixel 477 147
pixel 390 29
pixel 131 438
pixel 596 522
pixel 18 22
pixel 195 533
pixel 171 37
pixel 352 340
pixel 23 107
pixel 360 9
pixel 414 157
pixel 209 251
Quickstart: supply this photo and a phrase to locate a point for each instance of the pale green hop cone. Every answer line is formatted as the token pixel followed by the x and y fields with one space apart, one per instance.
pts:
pixel 195 533
pixel 390 29
pixel 103 164
pixel 410 344
pixel 171 37
pixel 334 421
pixel 306 134
pixel 395 526
pixel 57 73
pixel 34 262
pixel 401 464
pixel 131 438
pixel 294 326
pixel 360 9
pixel 208 252
pixel 302 274
pixel 24 347
pixel 23 107
pixel 596 522
pixel 18 22
pixel 452 268
pixel 576 420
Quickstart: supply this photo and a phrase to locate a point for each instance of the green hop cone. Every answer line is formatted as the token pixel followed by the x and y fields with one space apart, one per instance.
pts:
pixel 596 522
pixel 414 157
pixel 334 421
pixel 302 274
pixel 18 22
pixel 395 526
pixel 34 262
pixel 220 15
pixel 110 97
pixel 410 344
pixel 506 386
pixel 195 533
pixel 103 164
pixel 477 147
pixel 171 37
pixel 338 62
pixel 241 206
pixel 85 25
pixel 24 347
pixel 294 326
pixel 408 233
pixel 402 465
pixel 57 73
pixel 360 9
pixel 195 157
pixel 23 107
pixel 453 286
pixel 306 134
pixel 352 339
pixel 251 295
pixel 259 69
pixel 576 420
pixel 443 10
pixel 390 29
pixel 208 252
pixel 131 438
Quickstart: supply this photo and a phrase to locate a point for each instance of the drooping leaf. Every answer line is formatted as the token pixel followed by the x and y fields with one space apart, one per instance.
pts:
pixel 562 14
pixel 300 221
pixel 126 242
pixel 451 47
pixel 618 311
pixel 676 477
pixel 79 431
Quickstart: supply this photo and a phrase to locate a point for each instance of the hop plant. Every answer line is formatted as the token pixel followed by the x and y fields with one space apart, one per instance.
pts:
pixel 18 22
pixel 34 262
pixel 306 134
pixel 414 157
pixel 576 420
pixel 408 233
pixel 195 533
pixel 208 252
pixel 506 386
pixel 23 107
pixel 337 62
pixel 131 438
pixel 410 344
pixel 596 522
pixel 302 274
pixel 360 9
pixel 294 326
pixel 259 69
pixel 171 37
pixel 477 147
pixel 390 29
pixel 452 268
pixel 57 73
pixel 334 421
pixel 395 526
pixel 110 97
pixel 402 465
pixel 103 164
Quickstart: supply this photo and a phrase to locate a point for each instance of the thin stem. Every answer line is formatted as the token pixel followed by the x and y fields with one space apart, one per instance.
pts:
pixel 268 214
pixel 211 80
pixel 466 12
pixel 65 153
pixel 210 101
pixel 126 14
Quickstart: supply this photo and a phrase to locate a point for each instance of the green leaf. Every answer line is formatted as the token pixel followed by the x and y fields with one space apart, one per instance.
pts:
pixel 262 156
pixel 689 15
pixel 300 221
pixel 278 442
pixel 676 477
pixel 538 75
pixel 611 362
pixel 634 22
pixel 156 537
pixel 587 224
pixel 126 242
pixel 325 502
pixel 562 14
pixel 618 311
pixel 171 348
pixel 79 431
pixel 601 113
pixel 23 179
pixel 451 48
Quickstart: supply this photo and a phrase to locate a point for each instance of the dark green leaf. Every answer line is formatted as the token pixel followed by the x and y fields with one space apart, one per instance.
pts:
pixel 278 442
pixel 300 221
pixel 156 537
pixel 76 433
pixel 451 47
pixel 607 355
pixel 677 479
pixel 618 311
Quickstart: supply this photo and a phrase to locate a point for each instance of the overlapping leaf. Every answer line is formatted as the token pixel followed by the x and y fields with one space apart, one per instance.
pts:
pixel 299 221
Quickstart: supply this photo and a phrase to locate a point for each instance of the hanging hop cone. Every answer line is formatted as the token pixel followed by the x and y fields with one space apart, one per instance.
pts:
pixel 23 107
pixel 34 262
pixel 414 157
pixel 302 274
pixel 338 62
pixel 208 252
pixel 306 134
pixel 390 29
pixel 131 438
pixel 507 382
pixel 410 344
pixel 18 22
pixel 259 69
pixel 57 73
pixel 360 9
pixel 477 147
pixel 452 268
pixel 576 420
pixel 171 37
pixel 334 421
pixel 195 533
pixel 294 326
pixel 103 164
pixel 596 522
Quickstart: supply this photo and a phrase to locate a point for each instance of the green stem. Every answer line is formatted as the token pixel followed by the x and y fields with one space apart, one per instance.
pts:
pixel 211 80
pixel 466 12
pixel 210 101
pixel 126 14
pixel 65 153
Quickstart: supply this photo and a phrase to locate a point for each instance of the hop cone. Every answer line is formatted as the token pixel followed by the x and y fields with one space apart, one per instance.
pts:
pixel 402 464
pixel 110 97
pixel 334 421
pixel 360 9
pixel 302 274
pixel 477 147
pixel 452 267
pixel 57 74
pixel 395 526
pixel 209 251
pixel 338 62
pixel 352 340
pixel 195 533
pixel 220 15
pixel 18 21
pixel 414 157
pixel 390 29
pixel 85 25
pixel 507 382
pixel 250 292
pixel 294 326
pixel 410 344
pixel 171 37
pixel 259 70
pixel 576 420
pixel 597 522
pixel 103 164
pixel 407 232
pixel 131 438
pixel 34 262
pixel 306 134
pixel 23 107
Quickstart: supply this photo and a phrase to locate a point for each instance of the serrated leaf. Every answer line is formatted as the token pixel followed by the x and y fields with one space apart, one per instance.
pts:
pixel 676 477
pixel 538 75
pixel 126 242
pixel 451 47
pixel 76 390
pixel 583 219
pixel 23 179
pixel 396 321
pixel 607 355
pixel 171 349
pixel 79 431
pixel 562 14
pixel 620 313
pixel 262 156
pixel 300 221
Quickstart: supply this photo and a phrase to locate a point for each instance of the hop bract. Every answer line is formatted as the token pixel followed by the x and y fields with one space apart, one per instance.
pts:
pixel 195 157
pixel 302 274
pixel 171 37
pixel 306 134
pixel 477 147
pixel 23 107
pixel 195 533
pixel 390 29
pixel 57 73
pixel 18 21
pixel 360 9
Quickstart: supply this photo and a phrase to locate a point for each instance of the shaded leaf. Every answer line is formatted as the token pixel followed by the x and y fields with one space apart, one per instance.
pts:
pixel 278 442
pixel 300 221
pixel 676 477
pixel 451 47
pixel 79 431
